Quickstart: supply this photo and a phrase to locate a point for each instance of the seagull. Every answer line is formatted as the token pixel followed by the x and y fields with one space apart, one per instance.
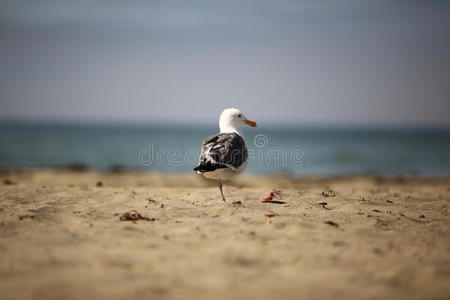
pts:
pixel 224 155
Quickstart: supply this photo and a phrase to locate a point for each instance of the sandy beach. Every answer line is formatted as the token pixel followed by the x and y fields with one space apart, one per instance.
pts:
pixel 65 235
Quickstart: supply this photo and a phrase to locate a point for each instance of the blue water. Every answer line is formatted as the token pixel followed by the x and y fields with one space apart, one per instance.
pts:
pixel 298 151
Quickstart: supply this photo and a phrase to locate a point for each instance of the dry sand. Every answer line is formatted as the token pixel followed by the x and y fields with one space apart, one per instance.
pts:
pixel 61 238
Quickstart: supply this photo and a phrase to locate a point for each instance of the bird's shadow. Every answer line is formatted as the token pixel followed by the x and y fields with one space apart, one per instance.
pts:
pixel 274 202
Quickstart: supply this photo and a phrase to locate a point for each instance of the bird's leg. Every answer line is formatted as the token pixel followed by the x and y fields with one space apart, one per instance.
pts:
pixel 220 187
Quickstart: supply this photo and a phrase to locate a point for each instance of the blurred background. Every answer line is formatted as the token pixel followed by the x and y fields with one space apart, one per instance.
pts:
pixel 356 86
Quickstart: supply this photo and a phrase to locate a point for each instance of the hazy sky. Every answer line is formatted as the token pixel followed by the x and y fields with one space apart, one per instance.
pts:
pixel 287 62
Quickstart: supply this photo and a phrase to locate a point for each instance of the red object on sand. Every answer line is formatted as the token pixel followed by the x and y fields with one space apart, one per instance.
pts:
pixel 270 198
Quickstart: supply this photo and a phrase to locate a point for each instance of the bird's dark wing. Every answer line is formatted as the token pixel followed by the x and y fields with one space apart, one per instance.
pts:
pixel 223 150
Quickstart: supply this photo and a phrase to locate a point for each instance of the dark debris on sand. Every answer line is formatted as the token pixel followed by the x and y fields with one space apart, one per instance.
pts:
pixel 275 202
pixel 271 215
pixel 324 205
pixel 331 223
pixel 134 216
pixel 151 200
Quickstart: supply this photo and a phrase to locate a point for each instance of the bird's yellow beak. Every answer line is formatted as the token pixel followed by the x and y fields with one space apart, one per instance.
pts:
pixel 250 123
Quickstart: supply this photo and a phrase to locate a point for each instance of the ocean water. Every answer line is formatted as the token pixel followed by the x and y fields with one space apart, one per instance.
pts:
pixel 298 151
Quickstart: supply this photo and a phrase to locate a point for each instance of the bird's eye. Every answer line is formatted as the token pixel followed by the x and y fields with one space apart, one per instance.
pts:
pixel 239 115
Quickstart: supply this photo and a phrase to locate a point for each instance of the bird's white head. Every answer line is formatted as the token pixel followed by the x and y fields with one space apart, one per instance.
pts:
pixel 232 119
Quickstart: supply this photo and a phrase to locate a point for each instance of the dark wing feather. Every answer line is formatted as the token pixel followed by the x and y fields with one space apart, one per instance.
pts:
pixel 223 150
